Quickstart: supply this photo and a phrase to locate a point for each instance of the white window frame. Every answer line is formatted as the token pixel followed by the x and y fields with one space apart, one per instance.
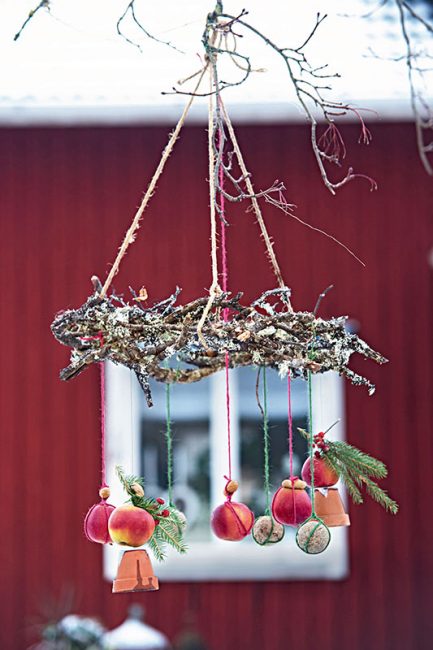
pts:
pixel 217 560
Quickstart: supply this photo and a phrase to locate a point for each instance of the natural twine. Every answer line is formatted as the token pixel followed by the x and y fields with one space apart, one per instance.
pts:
pixel 136 222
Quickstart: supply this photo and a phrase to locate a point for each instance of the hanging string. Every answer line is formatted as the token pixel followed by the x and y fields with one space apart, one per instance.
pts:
pixel 266 470
pixel 290 422
pixel 311 441
pixel 130 235
pixel 131 426
pixel 254 202
pixel 169 442
pixel 102 386
pixel 224 276
pixel 214 288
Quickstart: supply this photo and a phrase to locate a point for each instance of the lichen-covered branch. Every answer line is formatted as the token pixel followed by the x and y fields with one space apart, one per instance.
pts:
pixel 263 333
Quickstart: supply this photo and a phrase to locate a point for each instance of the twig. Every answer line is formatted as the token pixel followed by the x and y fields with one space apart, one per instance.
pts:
pixel 44 4
pixel 130 9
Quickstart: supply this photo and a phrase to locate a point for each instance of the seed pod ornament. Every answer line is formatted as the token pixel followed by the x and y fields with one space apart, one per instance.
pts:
pixel 313 536
pixel 96 521
pixel 291 504
pixel 232 521
pixel 266 531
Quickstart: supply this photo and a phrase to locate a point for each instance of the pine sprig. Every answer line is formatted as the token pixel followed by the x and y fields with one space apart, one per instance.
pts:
pixel 157 547
pixel 379 495
pixel 169 526
pixel 355 468
pixel 359 460
pixel 341 470
pixel 169 533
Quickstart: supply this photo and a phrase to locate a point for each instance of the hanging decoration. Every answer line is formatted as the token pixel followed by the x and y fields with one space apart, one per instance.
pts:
pixel 218 332
pixel 266 530
pixel 334 460
pixel 313 535
pixel 96 521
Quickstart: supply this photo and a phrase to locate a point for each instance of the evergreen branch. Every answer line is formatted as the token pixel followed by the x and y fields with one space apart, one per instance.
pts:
pixel 379 495
pixel 157 547
pixel 354 458
pixel 168 533
pixel 345 476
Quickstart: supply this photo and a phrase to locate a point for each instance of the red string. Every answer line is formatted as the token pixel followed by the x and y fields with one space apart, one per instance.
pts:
pixel 225 310
pixel 102 379
pixel 100 338
pixel 290 422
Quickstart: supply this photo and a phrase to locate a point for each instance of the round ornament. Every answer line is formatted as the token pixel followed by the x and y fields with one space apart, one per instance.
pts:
pixel 313 536
pixel 96 523
pixel 267 531
pixel 232 521
pixel 291 504
pixel 324 475
pixel 131 526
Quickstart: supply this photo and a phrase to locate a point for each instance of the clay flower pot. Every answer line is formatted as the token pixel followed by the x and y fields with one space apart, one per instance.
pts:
pixel 135 573
pixel 291 504
pixel 329 507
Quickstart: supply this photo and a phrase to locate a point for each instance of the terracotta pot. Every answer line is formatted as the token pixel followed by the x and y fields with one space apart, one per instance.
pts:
pixel 330 508
pixel 135 573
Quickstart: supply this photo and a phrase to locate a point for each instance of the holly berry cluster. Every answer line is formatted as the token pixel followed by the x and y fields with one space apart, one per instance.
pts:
pixel 155 511
pixel 320 443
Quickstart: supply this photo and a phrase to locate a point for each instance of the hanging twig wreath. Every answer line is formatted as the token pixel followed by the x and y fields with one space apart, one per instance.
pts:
pixel 256 334
pixel 217 332
pixel 265 333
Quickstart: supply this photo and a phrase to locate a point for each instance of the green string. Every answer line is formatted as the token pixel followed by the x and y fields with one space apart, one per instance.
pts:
pixel 169 441
pixel 266 471
pixel 311 441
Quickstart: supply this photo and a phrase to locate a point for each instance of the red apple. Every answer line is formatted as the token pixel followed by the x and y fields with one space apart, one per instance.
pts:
pixel 130 526
pixel 324 475
pixel 96 523
pixel 232 521
pixel 291 504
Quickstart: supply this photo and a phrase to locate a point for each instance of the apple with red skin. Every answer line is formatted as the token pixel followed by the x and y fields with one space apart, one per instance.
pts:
pixel 130 526
pixel 96 523
pixel 291 504
pixel 324 475
pixel 232 521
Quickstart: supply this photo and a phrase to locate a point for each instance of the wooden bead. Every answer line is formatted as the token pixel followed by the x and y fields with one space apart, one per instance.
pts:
pixel 231 487
pixel 104 492
pixel 297 485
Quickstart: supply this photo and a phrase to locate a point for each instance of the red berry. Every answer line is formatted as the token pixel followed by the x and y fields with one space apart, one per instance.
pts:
pixel 325 448
pixel 156 522
pixel 321 434
pixel 161 501
pixel 317 454
pixel 165 513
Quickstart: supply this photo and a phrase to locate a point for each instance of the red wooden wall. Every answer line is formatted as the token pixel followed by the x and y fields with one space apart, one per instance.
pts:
pixel 67 196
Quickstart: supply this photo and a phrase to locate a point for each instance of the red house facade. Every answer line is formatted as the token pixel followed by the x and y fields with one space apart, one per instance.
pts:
pixel 67 197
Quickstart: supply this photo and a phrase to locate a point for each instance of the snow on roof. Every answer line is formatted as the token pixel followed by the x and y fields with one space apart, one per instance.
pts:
pixel 70 65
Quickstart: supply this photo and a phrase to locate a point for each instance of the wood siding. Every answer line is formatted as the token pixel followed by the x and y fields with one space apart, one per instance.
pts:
pixel 67 196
